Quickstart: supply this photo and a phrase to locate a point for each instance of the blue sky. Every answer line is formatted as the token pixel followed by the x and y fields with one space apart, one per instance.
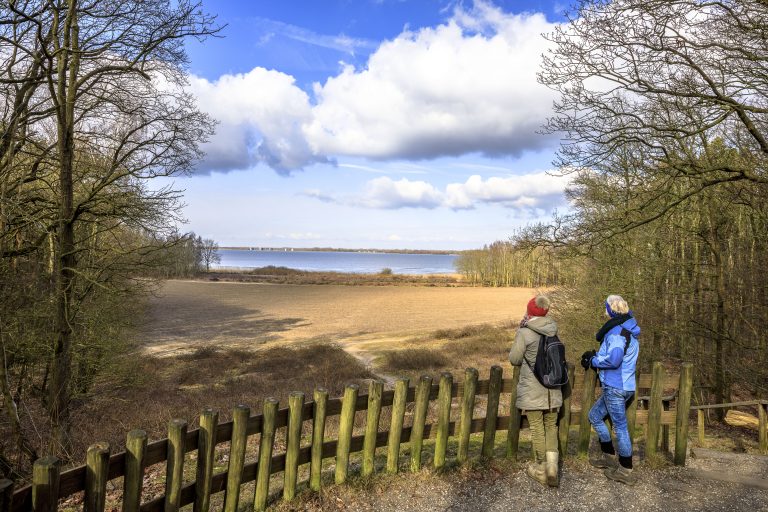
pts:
pixel 373 123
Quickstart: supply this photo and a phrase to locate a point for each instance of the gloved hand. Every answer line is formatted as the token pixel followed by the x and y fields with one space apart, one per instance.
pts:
pixel 586 359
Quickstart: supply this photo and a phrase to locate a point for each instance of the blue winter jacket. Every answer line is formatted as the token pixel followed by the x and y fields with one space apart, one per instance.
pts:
pixel 617 366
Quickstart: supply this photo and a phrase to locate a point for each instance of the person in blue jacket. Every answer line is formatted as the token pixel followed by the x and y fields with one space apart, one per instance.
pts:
pixel 615 361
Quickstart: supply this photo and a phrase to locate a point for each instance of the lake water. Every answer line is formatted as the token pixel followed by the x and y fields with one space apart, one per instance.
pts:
pixel 352 262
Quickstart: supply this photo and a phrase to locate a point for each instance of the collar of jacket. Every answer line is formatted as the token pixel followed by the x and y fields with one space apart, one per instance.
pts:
pixel 610 324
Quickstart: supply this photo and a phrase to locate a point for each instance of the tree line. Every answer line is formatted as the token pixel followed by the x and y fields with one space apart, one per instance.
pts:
pixel 94 107
pixel 663 113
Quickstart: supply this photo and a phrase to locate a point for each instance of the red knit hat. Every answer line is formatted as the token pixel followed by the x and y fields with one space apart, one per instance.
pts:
pixel 535 310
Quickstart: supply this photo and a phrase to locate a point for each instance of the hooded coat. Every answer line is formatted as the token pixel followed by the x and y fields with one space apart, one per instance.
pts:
pixel 531 395
pixel 617 360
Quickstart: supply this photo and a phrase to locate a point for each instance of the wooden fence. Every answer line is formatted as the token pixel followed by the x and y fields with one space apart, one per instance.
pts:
pixel 762 419
pixel 49 485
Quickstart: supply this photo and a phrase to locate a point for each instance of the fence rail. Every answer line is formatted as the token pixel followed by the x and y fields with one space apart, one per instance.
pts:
pixel 762 420
pixel 49 485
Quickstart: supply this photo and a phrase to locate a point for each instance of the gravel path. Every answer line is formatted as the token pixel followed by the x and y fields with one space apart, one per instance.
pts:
pixel 504 487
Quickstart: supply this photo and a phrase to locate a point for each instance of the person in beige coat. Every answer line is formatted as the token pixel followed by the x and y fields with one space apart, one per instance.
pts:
pixel 538 403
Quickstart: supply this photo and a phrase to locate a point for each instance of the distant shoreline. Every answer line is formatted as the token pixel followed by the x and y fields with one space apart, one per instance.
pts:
pixel 331 249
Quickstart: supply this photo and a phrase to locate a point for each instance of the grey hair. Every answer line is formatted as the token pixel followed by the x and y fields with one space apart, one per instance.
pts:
pixel 617 304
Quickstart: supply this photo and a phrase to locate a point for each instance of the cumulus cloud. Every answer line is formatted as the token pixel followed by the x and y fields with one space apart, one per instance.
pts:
pixel 465 86
pixel 538 192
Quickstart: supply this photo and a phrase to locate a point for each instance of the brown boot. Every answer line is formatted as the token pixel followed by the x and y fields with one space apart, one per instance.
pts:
pixel 603 460
pixel 536 471
pixel 551 469
pixel 621 474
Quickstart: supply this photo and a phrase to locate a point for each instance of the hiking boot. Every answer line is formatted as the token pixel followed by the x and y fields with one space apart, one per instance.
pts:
pixel 604 460
pixel 621 474
pixel 535 470
pixel 550 469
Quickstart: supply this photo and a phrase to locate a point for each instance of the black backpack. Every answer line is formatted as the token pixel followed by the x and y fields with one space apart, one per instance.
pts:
pixel 550 368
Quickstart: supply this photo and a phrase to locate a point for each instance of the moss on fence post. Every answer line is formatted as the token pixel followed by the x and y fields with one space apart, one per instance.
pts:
pixel 444 399
pixel 419 418
pixel 467 411
pixel 293 443
pixel 206 448
pixel 762 425
pixel 266 445
pixel 632 410
pixel 654 410
pixel 684 390
pixel 96 468
pixel 587 400
pixel 174 473
pixel 346 424
pixel 564 414
pixel 240 416
pixel 135 450
pixel 318 434
pixel 515 416
pixel 45 484
pixel 375 389
pixel 492 412
pixel 396 425
pixel 700 425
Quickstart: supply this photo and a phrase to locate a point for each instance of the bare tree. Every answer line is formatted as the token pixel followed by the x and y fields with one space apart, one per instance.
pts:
pixel 210 253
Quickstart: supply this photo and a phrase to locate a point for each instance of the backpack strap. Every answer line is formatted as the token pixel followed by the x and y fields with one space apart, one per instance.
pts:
pixel 537 351
pixel 627 336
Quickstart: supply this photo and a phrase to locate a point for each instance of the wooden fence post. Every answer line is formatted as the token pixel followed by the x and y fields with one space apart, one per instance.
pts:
pixel 419 418
pixel 206 449
pixel 564 415
pixel 492 412
pixel 587 400
pixel 45 484
pixel 240 416
pixel 513 431
pixel 266 444
pixel 318 434
pixel 96 467
pixel 6 495
pixel 396 425
pixel 700 425
pixel 654 410
pixel 346 424
pixel 444 399
pixel 135 450
pixel 684 390
pixel 762 436
pixel 375 389
pixel 293 444
pixel 174 472
pixel 467 410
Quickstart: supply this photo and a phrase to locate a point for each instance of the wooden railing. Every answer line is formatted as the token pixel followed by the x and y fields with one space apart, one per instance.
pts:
pixel 762 419
pixel 49 485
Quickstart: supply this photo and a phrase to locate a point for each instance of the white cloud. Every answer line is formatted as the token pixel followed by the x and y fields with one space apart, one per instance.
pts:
pixel 536 192
pixel 466 86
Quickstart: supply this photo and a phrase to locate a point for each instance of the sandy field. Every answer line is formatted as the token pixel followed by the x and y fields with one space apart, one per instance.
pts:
pixel 188 314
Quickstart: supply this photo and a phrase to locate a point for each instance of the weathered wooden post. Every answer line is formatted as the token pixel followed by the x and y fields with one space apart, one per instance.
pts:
pixel 419 418
pixel 240 415
pixel 664 427
pixel 346 424
pixel 206 449
pixel 762 436
pixel 293 444
pixel 587 400
pixel 515 416
pixel 6 495
pixel 564 415
pixel 318 434
pixel 684 390
pixel 266 445
pixel 96 468
pixel 45 484
pixel 492 411
pixel 135 450
pixel 700 425
pixel 467 410
pixel 174 471
pixel 375 389
pixel 654 410
pixel 396 425
pixel 444 399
